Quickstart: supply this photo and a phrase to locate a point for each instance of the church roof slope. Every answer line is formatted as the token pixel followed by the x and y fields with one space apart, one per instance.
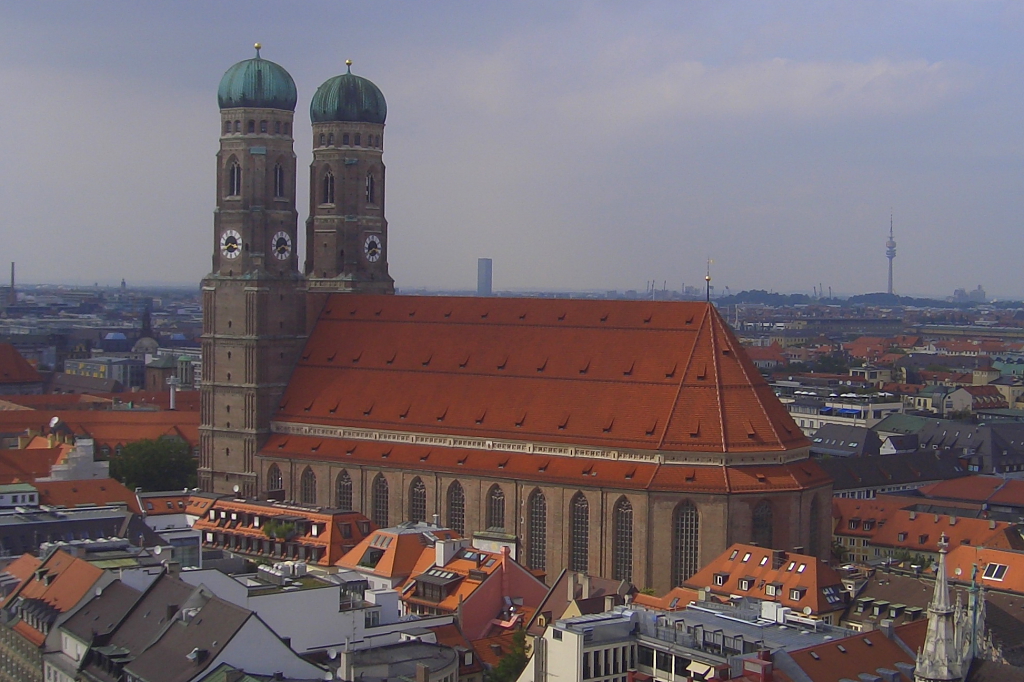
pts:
pixel 648 375
pixel 15 369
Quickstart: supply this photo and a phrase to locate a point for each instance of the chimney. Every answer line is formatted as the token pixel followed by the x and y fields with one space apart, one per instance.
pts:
pixel 952 520
pixel 798 550
pixel 991 524
pixel 778 558
pixel 422 672
pixel 437 520
pixel 888 675
pixel 609 602
pixel 913 515
pixel 887 627
pixel 571 582
pixel 585 585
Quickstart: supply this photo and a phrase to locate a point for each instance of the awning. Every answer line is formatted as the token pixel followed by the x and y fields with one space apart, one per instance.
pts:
pixel 698 668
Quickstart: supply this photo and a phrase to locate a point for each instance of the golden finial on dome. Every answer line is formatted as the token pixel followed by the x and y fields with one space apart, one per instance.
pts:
pixel 348 63
pixel 257 46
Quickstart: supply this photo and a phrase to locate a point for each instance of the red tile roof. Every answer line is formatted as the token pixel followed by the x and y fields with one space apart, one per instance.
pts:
pixel 14 369
pixel 623 474
pixel 961 560
pixel 402 552
pixel 812 578
pixel 25 466
pixel 849 657
pixel 648 375
pixel 91 491
pixel 109 427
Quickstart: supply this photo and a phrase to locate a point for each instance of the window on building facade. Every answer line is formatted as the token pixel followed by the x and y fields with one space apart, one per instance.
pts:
pixel 579 533
pixel 622 542
pixel 278 181
pixel 307 487
pixel 496 508
pixel 370 189
pixel 457 508
pixel 330 140
pixel 762 524
pixel 327 191
pixel 344 139
pixel 277 127
pixel 227 127
pixel 238 126
pixel 380 501
pixel 275 481
pixel 685 542
pixel 252 126
pixel 417 501
pixel 537 540
pixel 234 180
pixel 343 492
pixel 263 126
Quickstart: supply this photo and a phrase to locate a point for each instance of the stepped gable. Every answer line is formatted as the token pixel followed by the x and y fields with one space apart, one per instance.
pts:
pixel 620 374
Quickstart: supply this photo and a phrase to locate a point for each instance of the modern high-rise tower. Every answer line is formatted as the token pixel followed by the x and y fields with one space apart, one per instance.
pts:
pixel 890 253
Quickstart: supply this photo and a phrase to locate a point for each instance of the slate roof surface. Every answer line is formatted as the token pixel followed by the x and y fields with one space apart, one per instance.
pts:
pixel 851 473
pixel 845 441
pixel 101 615
pixel 649 375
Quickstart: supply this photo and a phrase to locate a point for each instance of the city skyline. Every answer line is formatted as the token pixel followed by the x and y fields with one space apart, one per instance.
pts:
pixel 774 139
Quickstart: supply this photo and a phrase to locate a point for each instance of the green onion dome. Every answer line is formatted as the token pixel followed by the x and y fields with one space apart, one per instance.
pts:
pixel 348 98
pixel 257 83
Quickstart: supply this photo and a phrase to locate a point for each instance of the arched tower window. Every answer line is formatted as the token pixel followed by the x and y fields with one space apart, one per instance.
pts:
pixel 371 195
pixel 234 179
pixel 380 497
pixel 275 481
pixel 330 140
pixel 762 524
pixel 287 128
pixel 814 520
pixel 327 193
pixel 238 126
pixel 496 508
pixel 227 127
pixel 277 127
pixel 344 139
pixel 579 533
pixel 456 508
pixel 343 492
pixel 537 540
pixel 321 139
pixel 307 487
pixel 252 126
pixel 263 126
pixel 417 500
pixel 622 541
pixel 278 181
pixel 685 542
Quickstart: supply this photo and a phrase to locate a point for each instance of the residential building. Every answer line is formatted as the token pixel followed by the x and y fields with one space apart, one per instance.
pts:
pixel 867 477
pixel 280 531
pixel 835 440
pixel 972 398
pixel 793 580
pixel 125 371
pixel 420 661
pixel 388 556
pixel 811 412
pixel 576 594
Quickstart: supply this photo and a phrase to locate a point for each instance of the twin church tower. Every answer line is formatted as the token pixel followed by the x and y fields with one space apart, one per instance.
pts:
pixel 257 303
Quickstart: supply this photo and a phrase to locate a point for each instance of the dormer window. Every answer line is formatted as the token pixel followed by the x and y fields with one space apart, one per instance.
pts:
pixel 721 578
pixel 797 593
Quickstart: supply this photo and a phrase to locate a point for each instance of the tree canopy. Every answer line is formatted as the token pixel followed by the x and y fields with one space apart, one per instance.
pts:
pixel 511 664
pixel 165 464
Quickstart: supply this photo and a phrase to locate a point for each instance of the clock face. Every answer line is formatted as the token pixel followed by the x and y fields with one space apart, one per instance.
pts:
pixel 282 245
pixel 373 248
pixel 231 244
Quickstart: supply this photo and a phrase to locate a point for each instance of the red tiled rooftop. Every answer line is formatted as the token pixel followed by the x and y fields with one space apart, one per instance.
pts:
pixel 647 375
pixel 14 369
pixel 91 491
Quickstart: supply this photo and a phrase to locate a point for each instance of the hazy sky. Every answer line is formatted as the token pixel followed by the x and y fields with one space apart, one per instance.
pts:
pixel 580 145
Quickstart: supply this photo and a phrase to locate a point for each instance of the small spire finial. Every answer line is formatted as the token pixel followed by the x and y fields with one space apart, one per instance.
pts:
pixel 348 63
pixel 257 46
pixel 707 280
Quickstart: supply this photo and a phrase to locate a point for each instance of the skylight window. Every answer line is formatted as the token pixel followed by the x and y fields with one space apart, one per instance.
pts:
pixel 995 571
pixel 763 561
pixel 733 555
pixel 789 569
pixel 746 557
pixel 801 568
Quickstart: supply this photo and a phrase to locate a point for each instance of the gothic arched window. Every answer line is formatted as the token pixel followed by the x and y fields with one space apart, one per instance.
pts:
pixel 238 126
pixel 579 533
pixel 357 142
pixel 343 492
pixel 762 524
pixel 456 508
pixel 380 501
pixel 496 508
pixel 263 126
pixel 814 520
pixel 275 481
pixel 330 140
pixel 622 541
pixel 321 139
pixel 417 501
pixel 685 542
pixel 227 127
pixel 328 188
pixel 252 126
pixel 279 180
pixel 234 179
pixel 344 139
pixel 307 487
pixel 537 540
pixel 370 189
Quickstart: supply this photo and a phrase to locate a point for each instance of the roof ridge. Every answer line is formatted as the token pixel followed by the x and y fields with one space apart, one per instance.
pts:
pixel 682 380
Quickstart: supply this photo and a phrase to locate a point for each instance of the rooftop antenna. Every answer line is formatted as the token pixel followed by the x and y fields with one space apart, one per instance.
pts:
pixel 707 280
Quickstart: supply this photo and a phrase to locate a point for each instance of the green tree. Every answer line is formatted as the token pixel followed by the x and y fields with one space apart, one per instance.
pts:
pixel 165 464
pixel 511 664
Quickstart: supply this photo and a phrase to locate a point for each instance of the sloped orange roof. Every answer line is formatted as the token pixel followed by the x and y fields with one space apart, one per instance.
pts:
pixel 15 369
pixel 162 504
pixel 109 427
pixel 589 471
pixel 849 657
pixel 961 560
pixel 813 579
pixel 403 552
pixel 25 466
pixel 632 374
pixel 90 491
pixel 918 531
pixel 23 566
pixel 676 599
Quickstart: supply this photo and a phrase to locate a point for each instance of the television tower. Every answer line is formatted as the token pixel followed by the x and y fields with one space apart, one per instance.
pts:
pixel 890 252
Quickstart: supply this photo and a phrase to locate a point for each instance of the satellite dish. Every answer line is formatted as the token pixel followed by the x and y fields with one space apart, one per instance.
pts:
pixel 332 653
pixel 807 610
pixel 236 488
pixel 958 571
pixel 54 421
pixel 157 550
